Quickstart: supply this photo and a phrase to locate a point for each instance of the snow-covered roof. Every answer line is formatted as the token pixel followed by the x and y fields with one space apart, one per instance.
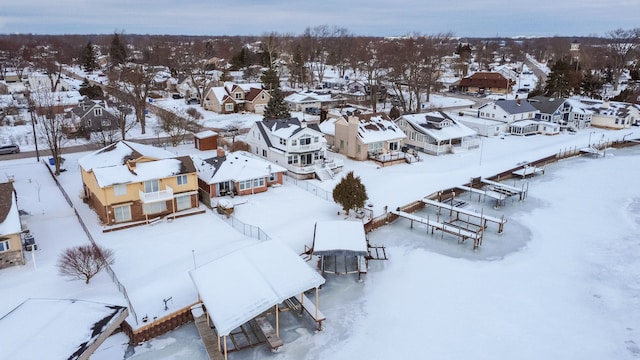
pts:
pixel 328 126
pixel 455 130
pixel 118 153
pixel 235 166
pixel 269 273
pixel 377 128
pixel 57 98
pixel 340 236
pixel 120 174
pixel 9 214
pixel 67 329
pixel 297 98
pixel 205 134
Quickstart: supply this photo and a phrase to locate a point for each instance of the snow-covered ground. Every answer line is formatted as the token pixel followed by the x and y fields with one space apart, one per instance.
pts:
pixel 561 282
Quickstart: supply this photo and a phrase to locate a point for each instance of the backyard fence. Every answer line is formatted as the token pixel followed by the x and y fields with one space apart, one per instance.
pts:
pixel 310 187
pixel 249 230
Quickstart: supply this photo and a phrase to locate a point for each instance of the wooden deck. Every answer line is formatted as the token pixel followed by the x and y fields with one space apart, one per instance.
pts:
pixel 269 332
pixel 206 334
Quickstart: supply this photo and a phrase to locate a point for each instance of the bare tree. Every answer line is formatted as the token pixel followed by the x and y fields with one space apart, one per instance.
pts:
pixel 366 59
pixel 270 46
pixel 132 85
pixel 178 125
pixel 621 45
pixel 51 122
pixel 83 262
pixel 189 60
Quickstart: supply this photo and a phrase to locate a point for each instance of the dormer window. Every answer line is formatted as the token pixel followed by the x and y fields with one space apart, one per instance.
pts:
pixel 97 112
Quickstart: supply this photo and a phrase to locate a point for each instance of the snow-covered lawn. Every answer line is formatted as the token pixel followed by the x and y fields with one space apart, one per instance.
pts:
pixel 561 282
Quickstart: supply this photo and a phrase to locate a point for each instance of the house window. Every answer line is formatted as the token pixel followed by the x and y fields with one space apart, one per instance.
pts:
pixel 341 144
pixel 228 107
pixel 152 186
pixel 305 141
pixel 294 142
pixel 244 185
pixel 183 202
pixel 262 96
pixel 264 153
pixel 272 177
pixel 258 182
pixel 393 146
pixel 283 141
pixel 97 112
pixel 154 208
pixel 315 139
pixel 239 95
pixel 88 122
pixel 120 190
pixel 4 245
pixel 182 179
pixel 106 123
pixel 122 213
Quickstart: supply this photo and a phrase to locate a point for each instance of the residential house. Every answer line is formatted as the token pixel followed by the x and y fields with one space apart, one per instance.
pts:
pixel 484 127
pixel 57 102
pixel 236 173
pixel 437 133
pixel 92 116
pixel 486 83
pixel 302 101
pixel 293 144
pixel 367 136
pixel 580 114
pixel 10 228
pixel 507 111
pixel 608 114
pixel 127 181
pixel 232 98
pixel 553 110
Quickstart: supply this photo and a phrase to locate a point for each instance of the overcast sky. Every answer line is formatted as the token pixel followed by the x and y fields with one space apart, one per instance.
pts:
pixel 465 18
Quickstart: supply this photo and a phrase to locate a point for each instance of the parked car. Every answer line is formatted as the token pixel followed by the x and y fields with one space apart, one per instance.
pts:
pixel 312 110
pixel 9 149
pixel 192 101
pixel 177 96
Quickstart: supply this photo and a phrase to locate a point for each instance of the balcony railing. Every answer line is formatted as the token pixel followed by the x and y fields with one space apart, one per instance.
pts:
pixel 308 169
pixel 156 196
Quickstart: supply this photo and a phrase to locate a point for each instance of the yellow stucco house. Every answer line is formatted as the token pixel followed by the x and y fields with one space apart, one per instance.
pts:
pixel 127 181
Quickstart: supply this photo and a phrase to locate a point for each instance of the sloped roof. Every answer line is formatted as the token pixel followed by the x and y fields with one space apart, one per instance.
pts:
pixel 285 128
pixel 419 123
pixel 118 153
pixel 235 166
pixel 546 105
pixel 378 127
pixel 66 328
pixel 485 79
pixel 515 106
pixel 340 237
pixel 253 93
pixel 270 273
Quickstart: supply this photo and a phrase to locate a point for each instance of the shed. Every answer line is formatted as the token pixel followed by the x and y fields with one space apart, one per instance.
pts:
pixel 206 140
pixel 270 273
pixel 341 246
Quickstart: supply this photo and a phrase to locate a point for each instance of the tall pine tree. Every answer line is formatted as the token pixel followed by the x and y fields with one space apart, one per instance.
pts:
pixel 350 193
pixel 117 51
pixel 88 58
pixel 276 108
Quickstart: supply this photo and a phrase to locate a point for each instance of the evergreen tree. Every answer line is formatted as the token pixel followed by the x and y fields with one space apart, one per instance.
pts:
pixel 591 85
pixel 117 51
pixel 276 108
pixel 90 91
pixel 350 193
pixel 270 79
pixel 88 58
pixel 558 82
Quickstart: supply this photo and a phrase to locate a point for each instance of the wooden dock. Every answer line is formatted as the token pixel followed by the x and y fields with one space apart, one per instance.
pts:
pixel 483 218
pixel 460 232
pixel 206 333
pixel 528 171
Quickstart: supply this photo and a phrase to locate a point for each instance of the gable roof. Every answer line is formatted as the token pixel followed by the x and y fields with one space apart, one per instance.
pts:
pixel 143 171
pixel 118 153
pixel 485 79
pixel 546 105
pixel 253 93
pixel 513 106
pixel 235 166
pixel 286 128
pixel 419 123
pixel 9 215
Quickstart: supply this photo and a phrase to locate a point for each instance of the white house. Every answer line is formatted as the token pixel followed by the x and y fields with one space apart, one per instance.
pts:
pixel 437 133
pixel 508 111
pixel 484 127
pixel 293 144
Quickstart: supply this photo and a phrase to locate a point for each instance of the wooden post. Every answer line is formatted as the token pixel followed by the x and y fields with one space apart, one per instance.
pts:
pixel 277 322
pixel 316 304
pixel 225 348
